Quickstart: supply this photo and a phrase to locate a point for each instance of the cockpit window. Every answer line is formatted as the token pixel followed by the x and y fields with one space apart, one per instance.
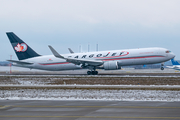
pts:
pixel 168 51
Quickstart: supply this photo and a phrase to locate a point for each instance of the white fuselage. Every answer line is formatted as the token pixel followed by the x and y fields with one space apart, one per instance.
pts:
pixel 176 67
pixel 125 57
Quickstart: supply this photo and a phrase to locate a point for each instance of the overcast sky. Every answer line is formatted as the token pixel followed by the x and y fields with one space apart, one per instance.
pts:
pixel 113 24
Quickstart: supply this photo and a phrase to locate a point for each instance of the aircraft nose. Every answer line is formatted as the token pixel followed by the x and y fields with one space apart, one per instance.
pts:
pixel 172 55
pixel 169 54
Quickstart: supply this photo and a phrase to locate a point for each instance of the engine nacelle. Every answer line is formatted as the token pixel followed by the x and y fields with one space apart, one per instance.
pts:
pixel 111 65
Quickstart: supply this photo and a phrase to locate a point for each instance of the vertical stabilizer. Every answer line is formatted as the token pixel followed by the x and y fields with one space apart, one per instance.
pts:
pixel 22 50
pixel 174 62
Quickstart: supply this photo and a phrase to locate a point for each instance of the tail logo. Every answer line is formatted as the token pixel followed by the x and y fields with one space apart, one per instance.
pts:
pixel 21 47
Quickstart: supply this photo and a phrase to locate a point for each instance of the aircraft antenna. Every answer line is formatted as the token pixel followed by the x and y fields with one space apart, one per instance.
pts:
pixel 97 47
pixel 80 48
pixel 88 47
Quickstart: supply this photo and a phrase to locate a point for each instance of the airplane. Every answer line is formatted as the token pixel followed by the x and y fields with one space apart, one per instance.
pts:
pixel 107 60
pixel 175 66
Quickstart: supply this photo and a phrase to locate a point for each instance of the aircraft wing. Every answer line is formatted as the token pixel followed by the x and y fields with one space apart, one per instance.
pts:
pixel 20 62
pixel 85 62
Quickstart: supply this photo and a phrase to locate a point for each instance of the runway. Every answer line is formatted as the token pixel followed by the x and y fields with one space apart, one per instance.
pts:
pixel 5 70
pixel 86 110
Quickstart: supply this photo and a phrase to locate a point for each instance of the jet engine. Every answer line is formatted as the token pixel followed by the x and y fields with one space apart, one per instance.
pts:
pixel 111 65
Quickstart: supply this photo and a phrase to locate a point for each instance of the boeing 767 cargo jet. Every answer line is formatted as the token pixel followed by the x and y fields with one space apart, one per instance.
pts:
pixel 107 60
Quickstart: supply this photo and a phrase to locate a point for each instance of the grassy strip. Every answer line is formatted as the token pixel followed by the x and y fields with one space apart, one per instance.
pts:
pixel 55 80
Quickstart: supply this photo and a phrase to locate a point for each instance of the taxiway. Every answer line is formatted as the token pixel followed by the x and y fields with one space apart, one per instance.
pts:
pixel 86 110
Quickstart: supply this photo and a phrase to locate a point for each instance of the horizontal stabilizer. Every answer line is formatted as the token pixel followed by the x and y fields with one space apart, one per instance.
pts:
pixel 20 62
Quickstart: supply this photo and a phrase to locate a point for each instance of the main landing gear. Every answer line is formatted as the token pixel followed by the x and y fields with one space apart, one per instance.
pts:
pixel 92 72
pixel 162 66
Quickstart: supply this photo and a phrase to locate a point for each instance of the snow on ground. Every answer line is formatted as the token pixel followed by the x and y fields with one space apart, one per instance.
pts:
pixel 69 94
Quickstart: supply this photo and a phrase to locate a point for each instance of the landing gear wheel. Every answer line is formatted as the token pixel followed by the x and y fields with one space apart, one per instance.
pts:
pixel 89 72
pixel 162 68
pixel 92 72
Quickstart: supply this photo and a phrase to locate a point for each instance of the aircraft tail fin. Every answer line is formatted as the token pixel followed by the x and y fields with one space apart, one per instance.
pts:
pixel 174 62
pixel 22 50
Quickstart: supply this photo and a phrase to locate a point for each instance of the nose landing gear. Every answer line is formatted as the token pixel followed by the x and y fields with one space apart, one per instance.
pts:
pixel 162 66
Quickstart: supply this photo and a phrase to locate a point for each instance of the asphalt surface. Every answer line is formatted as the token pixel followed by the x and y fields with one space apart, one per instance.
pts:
pixel 103 87
pixel 88 110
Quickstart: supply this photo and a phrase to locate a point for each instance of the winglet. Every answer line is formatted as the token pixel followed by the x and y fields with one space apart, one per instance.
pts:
pixel 55 53
pixel 70 50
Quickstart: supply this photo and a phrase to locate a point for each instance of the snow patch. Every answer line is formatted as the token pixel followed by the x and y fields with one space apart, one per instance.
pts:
pixel 69 94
